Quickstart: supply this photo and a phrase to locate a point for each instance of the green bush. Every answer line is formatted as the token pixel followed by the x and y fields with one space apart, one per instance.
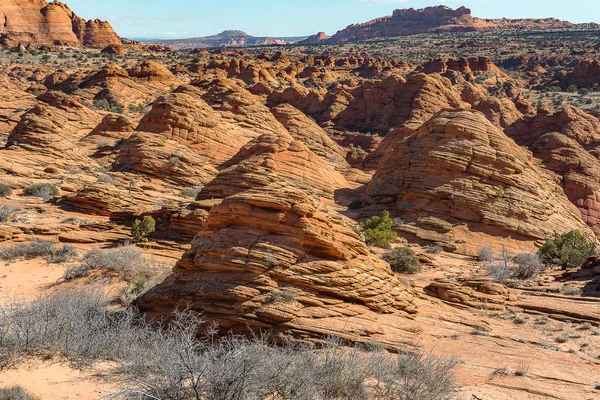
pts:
pixel 568 250
pixel 5 190
pixel 402 260
pixel 43 190
pixel 377 230
pixel 141 229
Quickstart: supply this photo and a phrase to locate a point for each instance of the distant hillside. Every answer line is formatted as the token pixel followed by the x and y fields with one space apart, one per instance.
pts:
pixel 439 19
pixel 223 39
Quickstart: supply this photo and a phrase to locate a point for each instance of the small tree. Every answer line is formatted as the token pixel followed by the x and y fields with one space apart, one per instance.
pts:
pixel 141 229
pixel 378 231
pixel 568 250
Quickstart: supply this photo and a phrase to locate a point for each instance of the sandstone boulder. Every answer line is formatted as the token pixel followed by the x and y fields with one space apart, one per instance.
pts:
pixel 273 259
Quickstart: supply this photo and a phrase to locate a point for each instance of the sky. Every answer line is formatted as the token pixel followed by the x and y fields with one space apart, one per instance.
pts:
pixel 193 18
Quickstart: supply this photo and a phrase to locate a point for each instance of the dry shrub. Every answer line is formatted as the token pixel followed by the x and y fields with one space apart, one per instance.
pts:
pixel 171 361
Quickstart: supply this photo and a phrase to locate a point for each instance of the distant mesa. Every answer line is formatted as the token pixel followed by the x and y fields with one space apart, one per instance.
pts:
pixel 38 22
pixel 231 38
pixel 439 19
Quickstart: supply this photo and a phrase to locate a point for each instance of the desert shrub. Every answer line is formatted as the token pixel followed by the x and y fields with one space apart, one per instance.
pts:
pixel 7 213
pixel 5 190
pixel 124 262
pixel 378 231
pixel 402 260
pixel 15 393
pixel 139 285
pixel 33 249
pixel 238 368
pixel 568 250
pixel 500 271
pixel 527 266
pixel 101 104
pixel 434 248
pixel 102 144
pixel 173 362
pixel 105 178
pixel 142 228
pixel 63 254
pixel 72 220
pixel 39 248
pixel 43 190
pixel 136 108
pixel 568 290
pixel 485 253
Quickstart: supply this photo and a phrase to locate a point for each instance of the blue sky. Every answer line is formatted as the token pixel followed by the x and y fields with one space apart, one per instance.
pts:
pixel 189 18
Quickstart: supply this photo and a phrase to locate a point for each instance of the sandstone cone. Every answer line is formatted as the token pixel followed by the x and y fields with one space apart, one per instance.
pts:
pixel 187 119
pixel 151 71
pixel 273 259
pixel 168 160
pixel 312 135
pixel 275 160
pixel 460 178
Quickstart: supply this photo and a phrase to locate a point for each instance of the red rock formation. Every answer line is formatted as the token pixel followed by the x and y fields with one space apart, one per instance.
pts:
pixel 273 259
pixel 113 126
pixel 165 159
pixel 570 121
pixel 275 160
pixel 464 65
pixel 312 135
pixel 187 119
pixel 441 19
pixel 38 22
pixel 319 38
pixel 461 178
pixel 580 172
pixel 151 71
pixel 99 199
pixel 117 49
pixel 586 74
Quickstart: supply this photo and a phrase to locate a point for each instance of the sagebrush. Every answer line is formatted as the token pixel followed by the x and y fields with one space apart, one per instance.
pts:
pixel 44 190
pixel 170 361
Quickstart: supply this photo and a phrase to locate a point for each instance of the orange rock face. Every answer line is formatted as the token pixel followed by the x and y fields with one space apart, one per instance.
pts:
pixel 277 160
pixel 151 71
pixel 273 259
pixel 460 175
pixel 39 23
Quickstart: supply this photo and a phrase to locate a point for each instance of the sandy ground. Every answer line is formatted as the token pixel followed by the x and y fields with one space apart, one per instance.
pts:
pixel 47 379
pixel 54 380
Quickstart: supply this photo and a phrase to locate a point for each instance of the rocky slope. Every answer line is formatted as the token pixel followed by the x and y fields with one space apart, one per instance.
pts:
pixel 459 179
pixel 38 22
